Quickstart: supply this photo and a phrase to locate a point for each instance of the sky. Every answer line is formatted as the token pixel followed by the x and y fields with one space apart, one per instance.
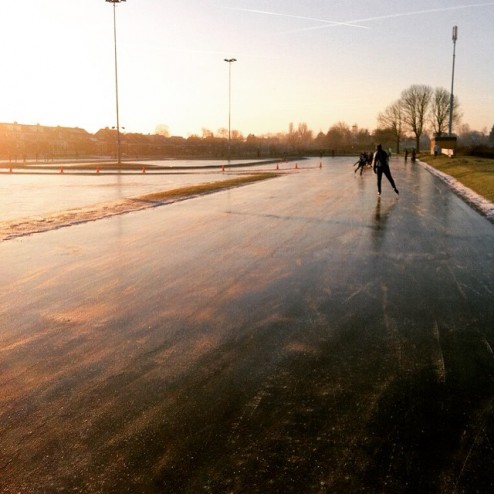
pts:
pixel 319 62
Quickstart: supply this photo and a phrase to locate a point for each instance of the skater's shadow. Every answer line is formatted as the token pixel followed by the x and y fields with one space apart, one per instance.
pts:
pixel 382 213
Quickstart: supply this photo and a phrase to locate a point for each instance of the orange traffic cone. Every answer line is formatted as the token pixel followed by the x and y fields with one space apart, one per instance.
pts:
pixel 97 169
pixel 61 169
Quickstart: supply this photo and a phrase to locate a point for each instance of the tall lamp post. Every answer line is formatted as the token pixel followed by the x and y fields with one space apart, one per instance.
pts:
pixel 114 2
pixel 451 100
pixel 230 61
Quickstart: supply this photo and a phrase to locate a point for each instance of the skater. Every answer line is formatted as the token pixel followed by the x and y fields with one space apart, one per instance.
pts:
pixel 362 161
pixel 380 166
pixel 369 158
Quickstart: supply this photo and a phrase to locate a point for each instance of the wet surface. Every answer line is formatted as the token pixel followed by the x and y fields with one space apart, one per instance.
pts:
pixel 25 193
pixel 295 335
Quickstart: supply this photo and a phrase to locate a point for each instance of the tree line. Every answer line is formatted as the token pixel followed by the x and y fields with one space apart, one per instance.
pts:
pixel 420 109
pixel 420 113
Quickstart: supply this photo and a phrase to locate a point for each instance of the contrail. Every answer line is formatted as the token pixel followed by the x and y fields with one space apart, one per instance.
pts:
pixel 358 22
pixel 325 21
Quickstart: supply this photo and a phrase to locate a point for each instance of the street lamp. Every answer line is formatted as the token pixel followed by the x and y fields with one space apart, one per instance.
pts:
pixel 451 100
pixel 114 2
pixel 230 61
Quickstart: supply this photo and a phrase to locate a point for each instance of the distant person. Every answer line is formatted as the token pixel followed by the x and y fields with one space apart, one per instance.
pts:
pixel 406 155
pixel 380 167
pixel 362 161
pixel 414 155
pixel 436 150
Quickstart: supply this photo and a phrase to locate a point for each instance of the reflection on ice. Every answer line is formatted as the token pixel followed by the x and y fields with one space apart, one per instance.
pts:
pixel 26 194
pixel 36 202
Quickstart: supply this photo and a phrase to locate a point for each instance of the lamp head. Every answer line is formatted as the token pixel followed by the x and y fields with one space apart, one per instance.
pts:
pixel 455 33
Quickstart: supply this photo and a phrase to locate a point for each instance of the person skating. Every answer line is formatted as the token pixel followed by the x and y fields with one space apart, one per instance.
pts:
pixel 380 166
pixel 361 163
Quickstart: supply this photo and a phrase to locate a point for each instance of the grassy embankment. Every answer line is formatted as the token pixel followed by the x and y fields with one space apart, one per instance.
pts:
pixel 475 173
pixel 204 188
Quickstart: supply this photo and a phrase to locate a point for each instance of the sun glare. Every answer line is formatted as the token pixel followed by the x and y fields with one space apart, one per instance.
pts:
pixel 314 66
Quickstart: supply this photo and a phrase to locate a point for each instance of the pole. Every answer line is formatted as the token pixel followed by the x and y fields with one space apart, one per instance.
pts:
pixel 230 61
pixel 229 100
pixel 114 2
pixel 451 100
pixel 119 156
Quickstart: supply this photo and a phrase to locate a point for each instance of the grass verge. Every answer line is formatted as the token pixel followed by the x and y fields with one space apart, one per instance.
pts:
pixel 205 188
pixel 475 173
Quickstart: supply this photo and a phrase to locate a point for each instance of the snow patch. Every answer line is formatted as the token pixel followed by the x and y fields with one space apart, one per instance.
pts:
pixel 28 226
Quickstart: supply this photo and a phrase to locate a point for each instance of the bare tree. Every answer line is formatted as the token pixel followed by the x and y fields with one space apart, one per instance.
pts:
pixel 291 137
pixel 339 136
pixel 298 139
pixel 439 111
pixel 363 139
pixel 207 133
pixel 392 119
pixel 162 130
pixel 415 103
pixel 304 135
pixel 469 137
pixel 223 133
pixel 384 136
pixel 237 135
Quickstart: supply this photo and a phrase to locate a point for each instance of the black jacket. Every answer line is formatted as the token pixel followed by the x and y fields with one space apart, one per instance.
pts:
pixel 380 159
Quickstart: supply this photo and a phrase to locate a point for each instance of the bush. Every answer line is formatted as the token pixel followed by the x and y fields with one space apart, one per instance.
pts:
pixel 480 151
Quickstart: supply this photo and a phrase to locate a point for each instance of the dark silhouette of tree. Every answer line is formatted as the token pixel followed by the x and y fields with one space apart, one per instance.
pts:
pixel 471 138
pixel 299 139
pixel 291 138
pixel 364 140
pixel 392 119
pixel 440 109
pixel 384 136
pixel 339 136
pixel 415 103
pixel 304 136
pixel 320 142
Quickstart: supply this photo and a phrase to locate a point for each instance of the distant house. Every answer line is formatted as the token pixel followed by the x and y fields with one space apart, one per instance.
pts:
pixel 20 141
